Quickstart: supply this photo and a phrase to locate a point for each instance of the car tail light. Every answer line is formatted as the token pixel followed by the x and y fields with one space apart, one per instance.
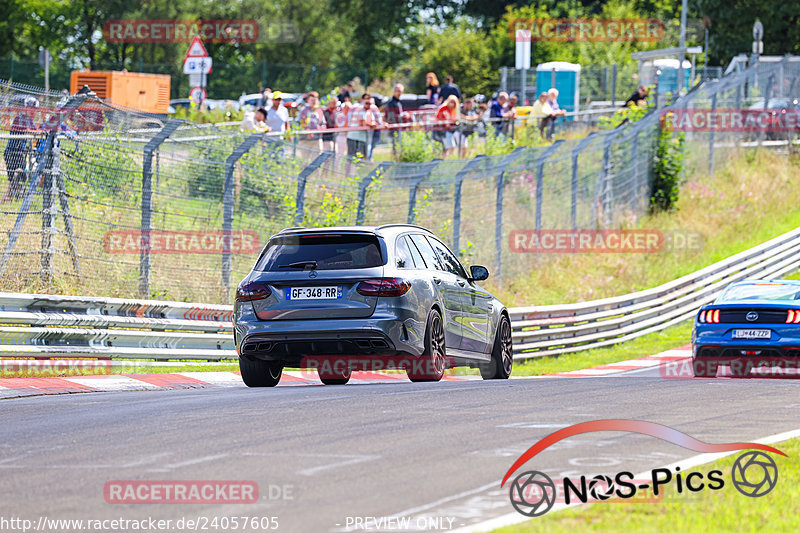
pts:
pixel 252 291
pixel 383 287
pixel 793 317
pixel 702 317
pixel 710 316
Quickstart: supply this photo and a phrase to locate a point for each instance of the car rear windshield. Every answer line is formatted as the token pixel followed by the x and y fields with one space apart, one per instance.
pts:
pixel 323 252
pixel 762 291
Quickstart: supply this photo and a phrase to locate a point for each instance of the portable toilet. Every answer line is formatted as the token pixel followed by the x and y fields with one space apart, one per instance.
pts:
pixel 665 73
pixel 565 77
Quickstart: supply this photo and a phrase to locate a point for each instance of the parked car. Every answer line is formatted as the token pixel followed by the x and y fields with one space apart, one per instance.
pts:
pixel 776 122
pixel 249 102
pixel 752 323
pixel 392 294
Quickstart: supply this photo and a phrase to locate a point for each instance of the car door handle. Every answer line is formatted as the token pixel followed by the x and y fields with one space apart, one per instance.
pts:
pixel 437 280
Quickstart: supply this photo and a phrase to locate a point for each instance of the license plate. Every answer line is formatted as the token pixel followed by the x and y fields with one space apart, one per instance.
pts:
pixel 751 334
pixel 313 293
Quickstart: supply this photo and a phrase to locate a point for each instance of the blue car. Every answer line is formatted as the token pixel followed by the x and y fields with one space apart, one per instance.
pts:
pixel 752 323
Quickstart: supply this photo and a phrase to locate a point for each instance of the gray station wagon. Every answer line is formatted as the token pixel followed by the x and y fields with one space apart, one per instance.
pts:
pixel 391 296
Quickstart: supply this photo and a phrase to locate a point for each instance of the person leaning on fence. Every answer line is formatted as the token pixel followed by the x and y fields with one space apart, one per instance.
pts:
pixel 540 114
pixel 510 115
pixel 342 117
pixel 638 98
pixel 446 117
pixel 469 123
pixel 310 118
pixel 329 121
pixel 255 121
pixel 360 116
pixel 555 111
pixel 18 149
pixel 277 115
pixel 496 111
pixel 374 113
pixel 394 115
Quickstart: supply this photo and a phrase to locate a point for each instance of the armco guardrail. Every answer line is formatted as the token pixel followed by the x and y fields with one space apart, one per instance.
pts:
pixel 558 329
pixel 40 325
pixel 37 325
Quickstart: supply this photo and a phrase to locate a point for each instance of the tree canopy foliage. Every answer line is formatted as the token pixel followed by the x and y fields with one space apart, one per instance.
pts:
pixel 385 38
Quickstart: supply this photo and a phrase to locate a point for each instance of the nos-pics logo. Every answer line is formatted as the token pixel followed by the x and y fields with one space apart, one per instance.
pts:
pixel 534 493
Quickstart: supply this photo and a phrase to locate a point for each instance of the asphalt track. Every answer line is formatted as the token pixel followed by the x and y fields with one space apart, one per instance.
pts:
pixel 433 454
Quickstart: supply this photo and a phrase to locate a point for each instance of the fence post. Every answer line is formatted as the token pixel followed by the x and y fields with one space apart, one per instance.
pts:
pixel 540 180
pixel 49 229
pixel 365 182
pixel 498 209
pixel 426 169
pixel 503 78
pixel 711 138
pixel 227 206
pixel 301 185
pixel 574 184
pixel 147 203
pixel 457 199
pixel 613 85
pixel 604 192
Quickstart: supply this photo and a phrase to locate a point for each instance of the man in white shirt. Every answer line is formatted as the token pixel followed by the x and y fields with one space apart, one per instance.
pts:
pixel 277 115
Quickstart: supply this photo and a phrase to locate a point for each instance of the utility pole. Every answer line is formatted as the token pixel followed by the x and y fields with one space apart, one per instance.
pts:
pixel 682 56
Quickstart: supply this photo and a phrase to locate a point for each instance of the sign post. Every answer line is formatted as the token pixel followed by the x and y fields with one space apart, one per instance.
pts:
pixel 197 64
pixel 523 58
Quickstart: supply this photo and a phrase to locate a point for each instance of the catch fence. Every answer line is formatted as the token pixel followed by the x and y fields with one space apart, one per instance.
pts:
pixel 181 212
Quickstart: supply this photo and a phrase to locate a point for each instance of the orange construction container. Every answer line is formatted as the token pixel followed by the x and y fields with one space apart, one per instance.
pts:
pixel 142 91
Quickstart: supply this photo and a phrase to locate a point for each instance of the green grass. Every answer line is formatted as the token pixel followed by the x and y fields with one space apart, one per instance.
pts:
pixel 719 510
pixel 650 344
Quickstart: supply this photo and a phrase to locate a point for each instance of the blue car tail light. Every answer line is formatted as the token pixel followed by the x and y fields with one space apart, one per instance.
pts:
pixel 793 317
pixel 710 316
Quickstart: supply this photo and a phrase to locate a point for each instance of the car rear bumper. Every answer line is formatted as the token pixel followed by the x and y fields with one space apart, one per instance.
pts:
pixel 289 342
pixel 773 355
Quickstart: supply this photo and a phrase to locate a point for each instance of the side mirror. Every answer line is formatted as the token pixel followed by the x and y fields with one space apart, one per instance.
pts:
pixel 478 273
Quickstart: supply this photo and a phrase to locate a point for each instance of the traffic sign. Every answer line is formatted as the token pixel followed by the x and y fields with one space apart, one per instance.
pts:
pixel 197 94
pixel 523 49
pixel 197 65
pixel 196 49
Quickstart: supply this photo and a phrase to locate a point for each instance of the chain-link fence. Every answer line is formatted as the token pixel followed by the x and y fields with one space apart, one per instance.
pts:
pixel 98 205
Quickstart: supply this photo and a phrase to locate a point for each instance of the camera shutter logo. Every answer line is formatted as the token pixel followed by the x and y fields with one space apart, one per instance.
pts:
pixel 532 493
pixel 754 474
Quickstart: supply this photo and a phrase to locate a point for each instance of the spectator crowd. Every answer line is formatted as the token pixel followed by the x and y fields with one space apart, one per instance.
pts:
pixel 350 123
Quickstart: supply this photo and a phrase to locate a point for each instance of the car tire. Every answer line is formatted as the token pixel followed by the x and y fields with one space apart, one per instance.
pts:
pixel 703 369
pixel 499 367
pixel 430 366
pixel 331 377
pixel 258 373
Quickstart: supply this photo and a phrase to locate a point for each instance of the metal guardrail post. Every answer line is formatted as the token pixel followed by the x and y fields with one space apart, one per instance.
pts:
pixel 49 229
pixel 711 138
pixel 469 167
pixel 147 202
pixel 301 185
pixel 426 169
pixel 574 183
pixel 540 180
pixel 227 205
pixel 498 213
pixel 365 182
